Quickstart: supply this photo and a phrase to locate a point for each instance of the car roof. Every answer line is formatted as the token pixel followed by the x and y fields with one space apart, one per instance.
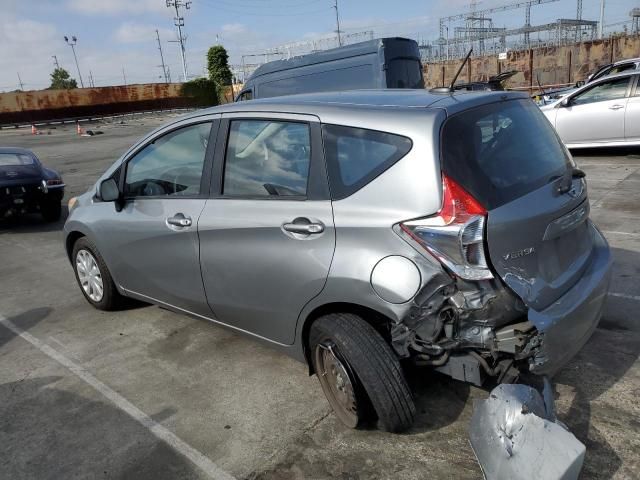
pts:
pixel 346 51
pixel 381 99
pixel 17 150
pixel 628 60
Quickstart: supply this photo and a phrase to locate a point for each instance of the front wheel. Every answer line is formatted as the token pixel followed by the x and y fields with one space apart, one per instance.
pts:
pixel 93 276
pixel 359 373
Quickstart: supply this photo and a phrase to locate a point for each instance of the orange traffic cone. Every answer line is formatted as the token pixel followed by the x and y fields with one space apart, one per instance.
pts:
pixel 79 129
pixel 34 130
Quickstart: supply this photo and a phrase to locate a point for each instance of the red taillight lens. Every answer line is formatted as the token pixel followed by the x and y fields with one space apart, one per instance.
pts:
pixel 454 235
pixel 457 203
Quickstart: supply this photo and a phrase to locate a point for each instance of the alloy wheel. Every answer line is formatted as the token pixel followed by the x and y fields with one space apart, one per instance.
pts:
pixel 89 275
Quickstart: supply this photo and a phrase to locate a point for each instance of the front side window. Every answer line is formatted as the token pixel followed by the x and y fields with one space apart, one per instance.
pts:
pixel 247 95
pixel 171 165
pixel 355 156
pixel 267 158
pixel 611 90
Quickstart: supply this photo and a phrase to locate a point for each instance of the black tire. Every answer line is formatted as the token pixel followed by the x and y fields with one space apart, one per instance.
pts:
pixel 51 212
pixel 111 298
pixel 372 365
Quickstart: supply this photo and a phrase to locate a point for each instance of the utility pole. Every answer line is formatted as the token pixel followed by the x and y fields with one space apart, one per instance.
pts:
pixel 124 76
pixel 20 81
pixel 55 61
pixel 164 69
pixel 91 79
pixel 72 44
pixel 601 24
pixel 335 5
pixel 179 22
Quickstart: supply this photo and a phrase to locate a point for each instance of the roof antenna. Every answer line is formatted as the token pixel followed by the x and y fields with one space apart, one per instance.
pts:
pixel 455 77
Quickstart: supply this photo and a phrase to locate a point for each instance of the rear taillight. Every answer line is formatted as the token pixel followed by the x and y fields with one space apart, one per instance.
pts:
pixel 455 235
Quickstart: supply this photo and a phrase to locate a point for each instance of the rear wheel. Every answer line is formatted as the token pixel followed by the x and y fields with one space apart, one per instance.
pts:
pixel 359 373
pixel 93 276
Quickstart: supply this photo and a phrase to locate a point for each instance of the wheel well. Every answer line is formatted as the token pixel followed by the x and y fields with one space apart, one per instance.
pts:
pixel 72 238
pixel 377 320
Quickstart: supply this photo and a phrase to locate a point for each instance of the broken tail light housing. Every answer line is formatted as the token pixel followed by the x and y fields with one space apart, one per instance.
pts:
pixel 454 235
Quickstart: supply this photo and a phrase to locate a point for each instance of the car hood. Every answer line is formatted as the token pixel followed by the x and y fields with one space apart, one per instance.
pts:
pixel 13 173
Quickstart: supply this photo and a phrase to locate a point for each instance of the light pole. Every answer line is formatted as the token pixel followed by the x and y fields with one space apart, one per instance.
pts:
pixel 72 44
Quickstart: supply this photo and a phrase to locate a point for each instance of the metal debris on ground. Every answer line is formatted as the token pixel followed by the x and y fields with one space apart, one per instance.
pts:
pixel 515 435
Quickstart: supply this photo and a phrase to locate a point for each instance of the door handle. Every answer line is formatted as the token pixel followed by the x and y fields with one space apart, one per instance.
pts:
pixel 616 107
pixel 304 228
pixel 179 220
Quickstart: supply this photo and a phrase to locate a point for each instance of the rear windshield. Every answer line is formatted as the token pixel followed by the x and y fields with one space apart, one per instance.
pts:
pixel 13 159
pixel 502 151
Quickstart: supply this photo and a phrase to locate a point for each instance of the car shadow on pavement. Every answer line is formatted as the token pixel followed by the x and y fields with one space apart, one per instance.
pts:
pixel 25 321
pixel 49 430
pixel 439 399
pixel 632 152
pixel 33 223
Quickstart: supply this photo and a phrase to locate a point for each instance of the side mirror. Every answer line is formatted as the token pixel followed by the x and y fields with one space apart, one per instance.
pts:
pixel 109 191
pixel 565 102
pixel 579 83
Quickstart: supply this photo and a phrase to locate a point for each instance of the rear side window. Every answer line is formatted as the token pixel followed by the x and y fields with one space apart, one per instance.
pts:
pixel 502 151
pixel 355 156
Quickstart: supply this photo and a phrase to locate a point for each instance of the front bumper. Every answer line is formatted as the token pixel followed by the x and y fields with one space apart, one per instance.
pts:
pixel 566 326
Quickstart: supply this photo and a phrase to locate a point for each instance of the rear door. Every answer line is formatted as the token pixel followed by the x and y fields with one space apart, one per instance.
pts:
pixel 538 237
pixel 267 237
pixel 595 114
pixel 632 114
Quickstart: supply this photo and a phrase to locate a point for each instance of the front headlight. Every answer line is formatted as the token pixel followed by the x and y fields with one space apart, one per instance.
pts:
pixel 73 202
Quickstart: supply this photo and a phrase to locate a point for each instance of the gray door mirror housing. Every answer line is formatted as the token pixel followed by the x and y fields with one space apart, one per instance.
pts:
pixel 565 102
pixel 109 191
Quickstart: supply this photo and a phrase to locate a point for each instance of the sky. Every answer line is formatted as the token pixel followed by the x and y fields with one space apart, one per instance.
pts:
pixel 117 40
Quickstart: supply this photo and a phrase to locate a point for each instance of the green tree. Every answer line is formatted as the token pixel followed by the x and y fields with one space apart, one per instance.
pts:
pixel 60 79
pixel 218 65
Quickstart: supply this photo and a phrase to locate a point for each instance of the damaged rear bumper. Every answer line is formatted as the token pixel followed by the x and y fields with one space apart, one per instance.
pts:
pixel 566 326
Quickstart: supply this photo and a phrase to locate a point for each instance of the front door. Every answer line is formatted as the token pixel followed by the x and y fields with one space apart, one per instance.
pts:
pixel 267 238
pixel 595 114
pixel 153 239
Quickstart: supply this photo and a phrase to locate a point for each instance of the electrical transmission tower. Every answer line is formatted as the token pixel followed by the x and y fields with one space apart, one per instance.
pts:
pixel 179 22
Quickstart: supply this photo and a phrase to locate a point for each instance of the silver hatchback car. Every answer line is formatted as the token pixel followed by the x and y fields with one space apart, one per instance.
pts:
pixel 358 231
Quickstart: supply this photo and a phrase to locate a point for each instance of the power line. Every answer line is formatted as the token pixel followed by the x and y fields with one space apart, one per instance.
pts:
pixel 20 80
pixel 179 22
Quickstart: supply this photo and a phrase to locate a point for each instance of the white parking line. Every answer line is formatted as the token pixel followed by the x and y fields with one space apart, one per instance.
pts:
pixel 613 232
pixel 196 457
pixel 624 295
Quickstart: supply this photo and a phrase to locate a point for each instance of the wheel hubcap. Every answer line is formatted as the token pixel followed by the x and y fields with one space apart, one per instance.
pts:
pixel 89 275
pixel 337 384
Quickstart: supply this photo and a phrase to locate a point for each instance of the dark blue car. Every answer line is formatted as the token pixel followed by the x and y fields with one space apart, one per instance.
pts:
pixel 27 186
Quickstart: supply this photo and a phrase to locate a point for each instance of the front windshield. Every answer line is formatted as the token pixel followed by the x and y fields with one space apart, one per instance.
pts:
pixel 14 159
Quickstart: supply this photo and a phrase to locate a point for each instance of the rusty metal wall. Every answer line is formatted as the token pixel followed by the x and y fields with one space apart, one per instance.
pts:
pixel 552 65
pixel 43 105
